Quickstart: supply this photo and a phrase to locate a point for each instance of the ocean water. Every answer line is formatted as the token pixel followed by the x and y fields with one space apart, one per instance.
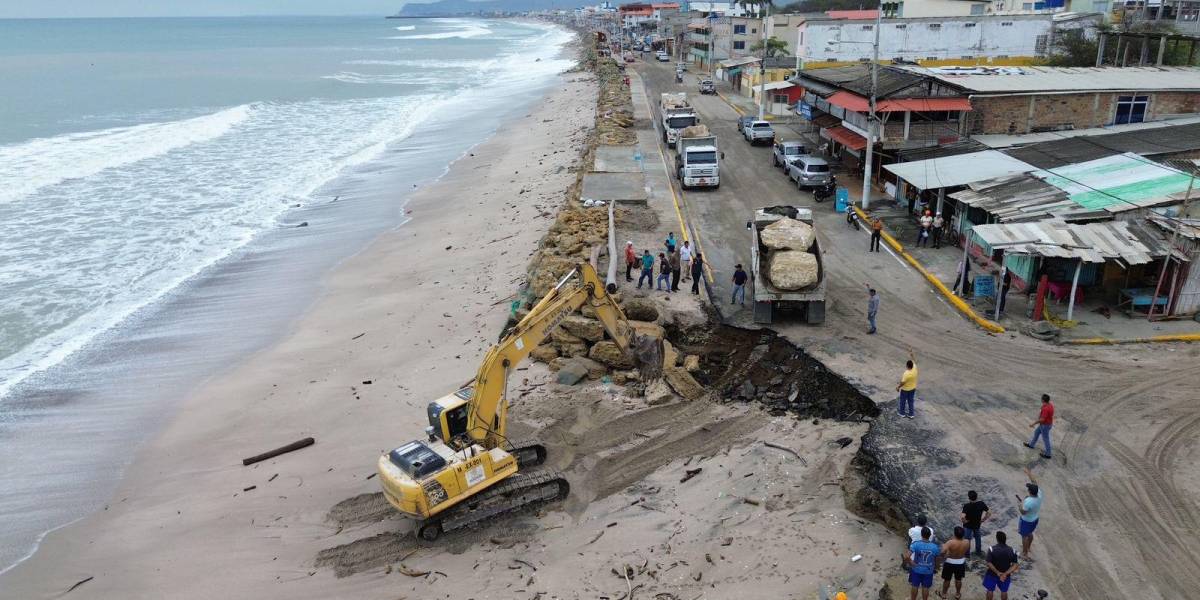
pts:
pixel 153 177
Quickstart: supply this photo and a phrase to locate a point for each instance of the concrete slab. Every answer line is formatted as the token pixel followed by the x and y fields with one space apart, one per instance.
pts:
pixel 618 187
pixel 618 159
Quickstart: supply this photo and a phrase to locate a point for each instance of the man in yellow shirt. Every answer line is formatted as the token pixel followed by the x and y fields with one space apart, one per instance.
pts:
pixel 908 386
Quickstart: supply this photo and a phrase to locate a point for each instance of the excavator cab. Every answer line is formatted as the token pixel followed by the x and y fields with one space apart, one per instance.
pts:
pixel 448 416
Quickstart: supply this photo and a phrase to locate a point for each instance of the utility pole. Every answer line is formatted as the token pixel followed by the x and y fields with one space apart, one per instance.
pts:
pixel 762 67
pixel 870 154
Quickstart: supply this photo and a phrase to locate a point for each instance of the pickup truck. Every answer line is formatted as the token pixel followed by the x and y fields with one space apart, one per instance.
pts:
pixel 697 161
pixel 785 152
pixel 757 132
pixel 708 87
pixel 807 302
pixel 676 114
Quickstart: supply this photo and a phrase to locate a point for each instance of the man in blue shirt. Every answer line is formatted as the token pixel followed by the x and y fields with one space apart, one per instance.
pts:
pixel 647 270
pixel 1001 564
pixel 923 558
pixel 1031 509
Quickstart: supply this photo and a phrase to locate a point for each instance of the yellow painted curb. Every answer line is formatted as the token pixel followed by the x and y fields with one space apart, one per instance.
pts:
pixel 1179 337
pixel 955 301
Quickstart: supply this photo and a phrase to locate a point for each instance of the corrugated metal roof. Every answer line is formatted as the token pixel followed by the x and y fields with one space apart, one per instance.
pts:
pixel 1022 197
pixel 1130 241
pixel 1188 228
pixel 774 85
pixel 983 80
pixel 737 62
pixel 999 141
pixel 1050 155
pixel 960 169
pixel 1118 183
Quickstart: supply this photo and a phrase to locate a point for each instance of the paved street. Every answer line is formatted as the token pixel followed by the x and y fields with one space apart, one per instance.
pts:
pixel 1120 517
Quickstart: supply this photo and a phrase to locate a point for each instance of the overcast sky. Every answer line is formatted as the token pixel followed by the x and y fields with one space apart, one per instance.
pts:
pixel 188 8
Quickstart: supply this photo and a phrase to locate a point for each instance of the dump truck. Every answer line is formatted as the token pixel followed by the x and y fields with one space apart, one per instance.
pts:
pixel 677 114
pixel 807 303
pixel 697 159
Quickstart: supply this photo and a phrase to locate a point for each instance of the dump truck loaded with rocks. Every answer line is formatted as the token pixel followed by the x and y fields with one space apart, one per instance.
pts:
pixel 786 266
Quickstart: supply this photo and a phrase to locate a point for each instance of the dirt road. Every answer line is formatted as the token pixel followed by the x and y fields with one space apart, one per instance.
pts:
pixel 1120 516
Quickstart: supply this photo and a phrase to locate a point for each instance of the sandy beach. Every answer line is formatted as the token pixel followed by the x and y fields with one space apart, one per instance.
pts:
pixel 393 327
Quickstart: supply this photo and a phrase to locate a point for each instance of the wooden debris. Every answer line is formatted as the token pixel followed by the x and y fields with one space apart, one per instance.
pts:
pixel 411 572
pixel 292 447
pixel 250 488
pixel 79 583
pixel 690 473
pixel 751 501
pixel 528 564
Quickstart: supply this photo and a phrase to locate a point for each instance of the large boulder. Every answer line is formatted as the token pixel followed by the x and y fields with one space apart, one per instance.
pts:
pixel 658 392
pixel 583 328
pixel 698 130
pixel 652 330
pixel 683 383
pixel 792 269
pixel 640 309
pixel 571 373
pixel 573 349
pixel 560 335
pixel 594 369
pixel 544 353
pixel 788 234
pixel 608 353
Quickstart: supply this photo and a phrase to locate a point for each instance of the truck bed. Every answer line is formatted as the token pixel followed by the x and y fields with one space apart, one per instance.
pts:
pixel 764 291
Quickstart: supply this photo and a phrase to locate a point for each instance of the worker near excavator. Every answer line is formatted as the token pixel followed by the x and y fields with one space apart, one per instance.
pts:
pixel 631 259
pixel 647 270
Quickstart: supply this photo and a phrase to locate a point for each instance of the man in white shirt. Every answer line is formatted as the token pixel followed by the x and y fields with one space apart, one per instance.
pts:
pixel 914 534
pixel 685 259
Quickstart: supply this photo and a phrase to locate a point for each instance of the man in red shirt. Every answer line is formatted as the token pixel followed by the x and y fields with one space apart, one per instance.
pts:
pixel 631 259
pixel 1042 426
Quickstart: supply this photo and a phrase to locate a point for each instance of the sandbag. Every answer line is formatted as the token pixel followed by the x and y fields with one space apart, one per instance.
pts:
pixel 792 269
pixel 788 234
pixel 700 130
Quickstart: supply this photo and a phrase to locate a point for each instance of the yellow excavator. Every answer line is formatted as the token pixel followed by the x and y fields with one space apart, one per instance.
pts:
pixel 468 470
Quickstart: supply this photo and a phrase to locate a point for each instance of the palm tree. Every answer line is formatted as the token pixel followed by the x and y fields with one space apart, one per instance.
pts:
pixel 756 7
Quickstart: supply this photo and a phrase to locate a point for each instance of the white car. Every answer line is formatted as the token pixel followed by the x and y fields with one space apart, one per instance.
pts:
pixel 663 56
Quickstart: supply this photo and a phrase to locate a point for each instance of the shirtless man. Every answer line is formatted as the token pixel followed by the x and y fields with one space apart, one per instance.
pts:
pixel 955 566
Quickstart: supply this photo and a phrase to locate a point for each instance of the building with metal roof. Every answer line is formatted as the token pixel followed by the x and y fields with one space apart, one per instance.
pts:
pixel 979 81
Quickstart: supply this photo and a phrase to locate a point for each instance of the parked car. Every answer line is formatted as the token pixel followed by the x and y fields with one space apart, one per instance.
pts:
pixel 708 87
pixel 809 172
pixel 785 152
pixel 663 56
pixel 758 132
pixel 742 122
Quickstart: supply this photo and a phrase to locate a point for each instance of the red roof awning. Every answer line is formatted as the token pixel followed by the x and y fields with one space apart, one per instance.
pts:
pixel 846 137
pixel 856 103
pixel 849 101
pixel 924 104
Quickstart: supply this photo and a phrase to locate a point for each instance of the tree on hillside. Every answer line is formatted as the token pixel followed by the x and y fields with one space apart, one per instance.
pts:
pixel 775 47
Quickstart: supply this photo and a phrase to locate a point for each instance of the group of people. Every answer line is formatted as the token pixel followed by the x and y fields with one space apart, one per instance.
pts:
pixel 930 226
pixel 675 263
pixel 1001 561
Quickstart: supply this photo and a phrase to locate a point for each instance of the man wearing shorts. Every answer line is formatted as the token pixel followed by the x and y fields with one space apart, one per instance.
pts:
pixel 923 558
pixel 955 567
pixel 1031 508
pixel 1001 564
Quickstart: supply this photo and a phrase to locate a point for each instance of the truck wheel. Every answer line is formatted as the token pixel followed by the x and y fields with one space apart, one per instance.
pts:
pixel 763 312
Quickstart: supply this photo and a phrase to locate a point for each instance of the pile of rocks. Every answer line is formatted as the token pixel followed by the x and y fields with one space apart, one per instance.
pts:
pixel 568 243
pixel 614 109
pixel 579 348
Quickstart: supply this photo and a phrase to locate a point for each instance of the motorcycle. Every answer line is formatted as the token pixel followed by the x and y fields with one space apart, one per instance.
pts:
pixel 852 218
pixel 826 191
pixel 678 77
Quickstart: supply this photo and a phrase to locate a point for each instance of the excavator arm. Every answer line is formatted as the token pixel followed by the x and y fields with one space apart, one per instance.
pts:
pixel 478 414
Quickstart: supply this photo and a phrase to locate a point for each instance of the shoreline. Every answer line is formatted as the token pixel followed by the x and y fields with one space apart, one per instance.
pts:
pixel 184 466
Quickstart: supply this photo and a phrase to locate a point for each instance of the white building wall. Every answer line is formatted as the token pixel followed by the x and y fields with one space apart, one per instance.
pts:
pixel 909 39
pixel 941 8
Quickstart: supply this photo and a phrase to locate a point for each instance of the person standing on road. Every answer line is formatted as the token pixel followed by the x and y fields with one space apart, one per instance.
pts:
pixel 908 386
pixel 923 558
pixel 974 514
pixel 938 224
pixel 697 272
pixel 963 281
pixel 647 270
pixel 872 308
pixel 685 259
pixel 670 243
pixel 1042 426
pixel 876 234
pixel 955 550
pixel 1001 564
pixel 631 259
pixel 1030 508
pixel 739 285
pixel 664 272
pixel 673 258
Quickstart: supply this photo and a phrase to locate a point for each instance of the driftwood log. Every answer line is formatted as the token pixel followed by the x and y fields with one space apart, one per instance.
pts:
pixel 292 447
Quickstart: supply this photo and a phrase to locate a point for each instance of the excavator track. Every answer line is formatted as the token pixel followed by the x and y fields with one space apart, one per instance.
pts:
pixel 519 492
